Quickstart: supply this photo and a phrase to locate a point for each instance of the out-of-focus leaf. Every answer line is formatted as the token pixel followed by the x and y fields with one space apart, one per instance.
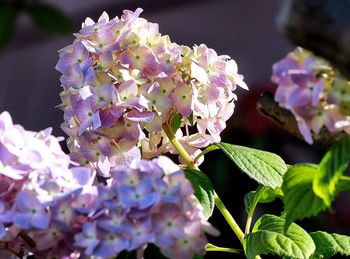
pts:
pixel 50 18
pixel 8 16
pixel 343 185
pixel 332 167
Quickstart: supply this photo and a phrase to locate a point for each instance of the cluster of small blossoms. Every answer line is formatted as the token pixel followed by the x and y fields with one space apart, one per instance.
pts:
pixel 54 211
pixel 123 80
pixel 149 201
pixel 314 92
pixel 34 174
pixel 143 203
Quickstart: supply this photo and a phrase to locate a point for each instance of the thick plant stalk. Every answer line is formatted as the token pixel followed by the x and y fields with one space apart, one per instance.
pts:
pixel 219 204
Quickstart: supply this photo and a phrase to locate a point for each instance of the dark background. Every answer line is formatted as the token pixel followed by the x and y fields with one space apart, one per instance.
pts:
pixel 243 29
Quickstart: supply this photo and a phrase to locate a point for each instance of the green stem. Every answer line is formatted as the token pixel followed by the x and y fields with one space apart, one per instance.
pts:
pixel 214 248
pixel 205 151
pixel 252 210
pixel 230 220
pixel 177 145
pixel 248 224
pixel 219 204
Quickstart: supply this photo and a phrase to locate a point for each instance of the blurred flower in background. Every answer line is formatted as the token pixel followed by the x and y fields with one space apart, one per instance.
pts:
pixel 46 16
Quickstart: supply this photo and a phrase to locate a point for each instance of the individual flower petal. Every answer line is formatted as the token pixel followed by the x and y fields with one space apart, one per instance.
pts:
pixel 182 98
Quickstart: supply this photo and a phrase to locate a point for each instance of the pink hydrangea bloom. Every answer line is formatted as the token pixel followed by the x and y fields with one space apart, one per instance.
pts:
pixel 122 80
pixel 315 94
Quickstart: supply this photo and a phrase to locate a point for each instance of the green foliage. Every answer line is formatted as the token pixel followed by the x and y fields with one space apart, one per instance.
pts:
pixel 252 198
pixel 342 185
pixel 262 195
pixel 176 122
pixel 8 16
pixel 269 237
pixel 203 190
pixel 264 167
pixel 332 167
pixel 190 119
pixel 309 189
pixel 49 18
pixel 328 245
pixel 300 201
pixel 270 195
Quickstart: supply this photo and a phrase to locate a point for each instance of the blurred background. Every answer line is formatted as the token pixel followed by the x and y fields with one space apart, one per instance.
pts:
pixel 243 29
pixel 31 32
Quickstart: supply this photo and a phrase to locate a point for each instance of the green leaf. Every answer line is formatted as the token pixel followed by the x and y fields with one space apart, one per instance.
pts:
pixel 252 198
pixel 269 237
pixel 270 195
pixel 203 190
pixel 262 195
pixel 328 245
pixel 332 167
pixel 50 18
pixel 342 185
pixel 190 119
pixel 264 167
pixel 8 17
pixel 176 122
pixel 300 201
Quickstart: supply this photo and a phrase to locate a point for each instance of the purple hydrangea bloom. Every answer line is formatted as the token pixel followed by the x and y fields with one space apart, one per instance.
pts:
pixel 28 212
pixel 145 202
pixel 35 176
pixel 63 214
pixel 313 92
pixel 122 80
pixel 87 238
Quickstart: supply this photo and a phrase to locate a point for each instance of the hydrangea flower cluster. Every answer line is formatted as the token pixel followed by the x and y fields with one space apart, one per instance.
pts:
pixel 314 92
pixel 145 202
pixel 34 173
pixel 123 80
pixel 58 213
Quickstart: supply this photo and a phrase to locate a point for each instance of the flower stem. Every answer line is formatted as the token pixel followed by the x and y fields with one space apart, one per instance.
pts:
pixel 177 145
pixel 219 204
pixel 213 248
pixel 230 220
pixel 27 239
pixel 260 191
pixel 248 224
